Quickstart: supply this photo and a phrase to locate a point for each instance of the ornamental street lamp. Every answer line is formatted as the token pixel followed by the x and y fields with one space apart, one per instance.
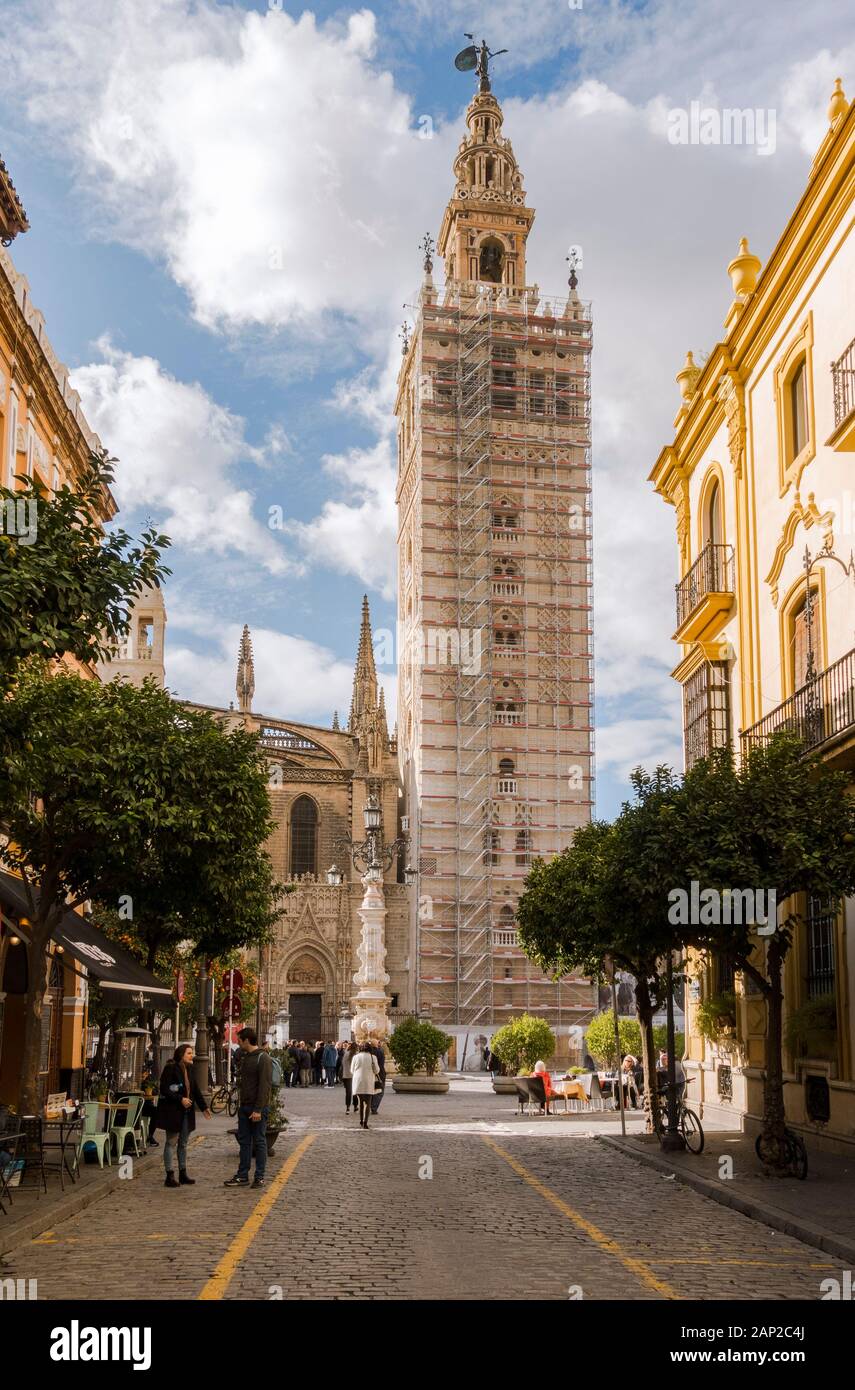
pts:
pixel 371 857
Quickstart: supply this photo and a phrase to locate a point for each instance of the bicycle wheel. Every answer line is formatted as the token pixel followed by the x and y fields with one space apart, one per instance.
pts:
pixel 796 1156
pixel 219 1101
pixel 692 1130
pixel 233 1103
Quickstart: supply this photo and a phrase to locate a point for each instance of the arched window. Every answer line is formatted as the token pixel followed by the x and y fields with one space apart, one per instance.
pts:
pixel 491 261
pixel 713 531
pixel 304 837
pixel 798 410
pixel 800 640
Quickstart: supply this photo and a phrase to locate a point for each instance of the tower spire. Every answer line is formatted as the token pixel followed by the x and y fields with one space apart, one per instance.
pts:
pixel 365 674
pixel 245 685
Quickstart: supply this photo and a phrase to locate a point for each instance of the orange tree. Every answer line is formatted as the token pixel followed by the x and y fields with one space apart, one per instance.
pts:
pixel 118 794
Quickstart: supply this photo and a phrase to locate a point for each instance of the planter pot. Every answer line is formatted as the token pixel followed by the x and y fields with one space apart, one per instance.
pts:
pixel 421 1082
pixel 504 1086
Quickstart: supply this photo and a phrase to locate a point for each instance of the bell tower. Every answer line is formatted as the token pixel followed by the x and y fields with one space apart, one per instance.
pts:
pixel 486 223
pixel 494 590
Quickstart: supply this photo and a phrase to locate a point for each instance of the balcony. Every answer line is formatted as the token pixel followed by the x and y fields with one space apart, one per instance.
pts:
pixel 505 939
pixel 822 713
pixel 507 588
pixel 843 387
pixel 705 596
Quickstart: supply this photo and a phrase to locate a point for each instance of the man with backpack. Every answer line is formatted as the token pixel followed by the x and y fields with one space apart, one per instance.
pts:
pixel 256 1080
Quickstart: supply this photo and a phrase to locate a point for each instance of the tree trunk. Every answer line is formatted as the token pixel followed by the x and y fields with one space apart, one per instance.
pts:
pixel 773 1085
pixel 38 967
pixel 644 1009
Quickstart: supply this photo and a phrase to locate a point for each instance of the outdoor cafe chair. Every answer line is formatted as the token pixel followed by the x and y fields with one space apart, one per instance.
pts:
pixel 10 1140
pixel 129 1125
pixel 32 1132
pixel 93 1133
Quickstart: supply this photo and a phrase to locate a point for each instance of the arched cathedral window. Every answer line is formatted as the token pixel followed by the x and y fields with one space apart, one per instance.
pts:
pixel 304 837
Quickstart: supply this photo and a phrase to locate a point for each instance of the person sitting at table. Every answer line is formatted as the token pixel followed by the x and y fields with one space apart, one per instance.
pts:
pixel 630 1089
pixel 548 1088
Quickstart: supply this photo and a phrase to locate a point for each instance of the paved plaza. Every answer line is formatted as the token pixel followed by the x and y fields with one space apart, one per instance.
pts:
pixel 445 1197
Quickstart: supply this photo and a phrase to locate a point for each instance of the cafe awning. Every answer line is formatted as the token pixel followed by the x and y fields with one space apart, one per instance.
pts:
pixel 125 984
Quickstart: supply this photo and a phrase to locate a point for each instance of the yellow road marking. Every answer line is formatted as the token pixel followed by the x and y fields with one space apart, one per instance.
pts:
pixel 226 1267
pixel 606 1244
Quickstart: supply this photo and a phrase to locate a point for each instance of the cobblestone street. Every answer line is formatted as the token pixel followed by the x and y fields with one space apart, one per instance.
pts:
pixel 513 1210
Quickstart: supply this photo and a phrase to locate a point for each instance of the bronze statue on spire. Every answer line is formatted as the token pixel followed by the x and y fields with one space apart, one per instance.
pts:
pixel 475 59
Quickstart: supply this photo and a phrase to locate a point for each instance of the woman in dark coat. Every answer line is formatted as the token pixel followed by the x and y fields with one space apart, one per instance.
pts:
pixel 176 1112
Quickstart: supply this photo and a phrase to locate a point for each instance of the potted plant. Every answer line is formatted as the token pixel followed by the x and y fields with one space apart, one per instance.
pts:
pixel 715 1018
pixel 518 1045
pixel 811 1030
pixel 417 1047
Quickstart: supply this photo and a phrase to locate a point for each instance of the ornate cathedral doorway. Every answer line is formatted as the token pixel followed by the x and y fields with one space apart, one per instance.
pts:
pixel 305 1013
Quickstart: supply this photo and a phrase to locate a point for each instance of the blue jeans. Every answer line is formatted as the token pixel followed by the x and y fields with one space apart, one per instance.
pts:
pixel 249 1131
pixel 180 1138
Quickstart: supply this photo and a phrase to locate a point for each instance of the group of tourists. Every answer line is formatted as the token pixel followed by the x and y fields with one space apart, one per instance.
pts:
pixel 332 1064
pixel 313 1064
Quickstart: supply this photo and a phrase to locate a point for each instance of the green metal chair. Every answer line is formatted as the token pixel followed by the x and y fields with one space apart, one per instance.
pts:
pixel 93 1134
pixel 129 1126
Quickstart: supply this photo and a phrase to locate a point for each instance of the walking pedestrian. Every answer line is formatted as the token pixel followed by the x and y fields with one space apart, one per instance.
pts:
pixel 365 1070
pixel 330 1058
pixel 347 1077
pixel 380 1057
pixel 179 1099
pixel 256 1070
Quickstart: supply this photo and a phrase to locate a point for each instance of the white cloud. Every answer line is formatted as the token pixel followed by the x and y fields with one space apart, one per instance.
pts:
pixel 629 743
pixel 357 536
pixel 178 453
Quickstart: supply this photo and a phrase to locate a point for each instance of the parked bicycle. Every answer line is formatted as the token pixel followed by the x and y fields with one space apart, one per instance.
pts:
pixel 795 1152
pixel 687 1122
pixel 225 1097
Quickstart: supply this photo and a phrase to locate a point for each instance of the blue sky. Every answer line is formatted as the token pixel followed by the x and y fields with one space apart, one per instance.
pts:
pixel 226 203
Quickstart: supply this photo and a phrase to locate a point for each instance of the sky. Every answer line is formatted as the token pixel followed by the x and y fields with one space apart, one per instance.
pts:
pixel 226 202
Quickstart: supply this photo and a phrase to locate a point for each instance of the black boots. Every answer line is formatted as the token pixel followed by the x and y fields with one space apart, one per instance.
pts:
pixel 170 1180
pixel 184 1180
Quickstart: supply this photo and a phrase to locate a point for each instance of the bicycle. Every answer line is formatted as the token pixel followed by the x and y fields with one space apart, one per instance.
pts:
pixel 688 1122
pixel 795 1153
pixel 226 1097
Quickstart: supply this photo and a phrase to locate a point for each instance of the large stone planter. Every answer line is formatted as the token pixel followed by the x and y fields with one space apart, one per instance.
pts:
pixel 504 1086
pixel 420 1082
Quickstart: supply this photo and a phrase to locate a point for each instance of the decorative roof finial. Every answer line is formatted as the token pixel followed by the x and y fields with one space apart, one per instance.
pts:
pixel 404 335
pixel 335 723
pixel 574 261
pixel 838 105
pixel 245 672
pixel 428 246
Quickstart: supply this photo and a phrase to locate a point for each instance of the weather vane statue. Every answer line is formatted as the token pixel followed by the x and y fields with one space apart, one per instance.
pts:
pixel 474 59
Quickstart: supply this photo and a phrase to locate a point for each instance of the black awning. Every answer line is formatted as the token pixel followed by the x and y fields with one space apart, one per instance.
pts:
pixel 124 982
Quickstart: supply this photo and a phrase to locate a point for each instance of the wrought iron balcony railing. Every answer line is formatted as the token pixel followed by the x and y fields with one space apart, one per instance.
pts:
pixel 843 385
pixel 712 573
pixel 820 711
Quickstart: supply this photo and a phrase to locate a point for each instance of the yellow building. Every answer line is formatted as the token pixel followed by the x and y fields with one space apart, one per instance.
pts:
pixel 44 436
pixel 760 474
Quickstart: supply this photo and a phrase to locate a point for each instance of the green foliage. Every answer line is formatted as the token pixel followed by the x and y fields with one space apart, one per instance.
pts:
pixel 715 1017
pixel 600 1037
pixel 522 1042
pixel 660 1039
pixel 417 1045
pixel 811 1030
pixel 118 794
pixel 69 591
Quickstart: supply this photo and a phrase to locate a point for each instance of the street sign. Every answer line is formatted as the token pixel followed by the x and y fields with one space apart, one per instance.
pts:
pixel 232 982
pixel 232 1007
